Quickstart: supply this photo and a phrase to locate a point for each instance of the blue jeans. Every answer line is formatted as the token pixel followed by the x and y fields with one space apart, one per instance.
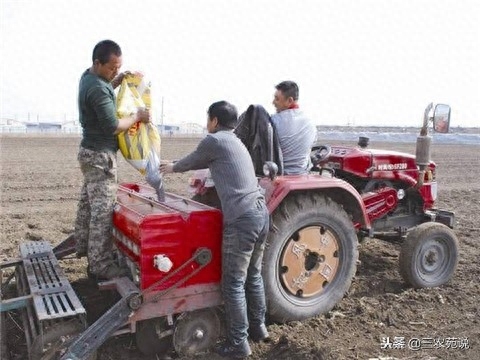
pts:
pixel 242 283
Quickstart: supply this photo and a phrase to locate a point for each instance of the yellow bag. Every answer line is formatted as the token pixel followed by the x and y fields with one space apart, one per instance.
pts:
pixel 140 144
pixel 140 139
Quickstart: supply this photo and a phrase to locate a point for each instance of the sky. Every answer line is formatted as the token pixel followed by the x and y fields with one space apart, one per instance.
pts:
pixel 357 62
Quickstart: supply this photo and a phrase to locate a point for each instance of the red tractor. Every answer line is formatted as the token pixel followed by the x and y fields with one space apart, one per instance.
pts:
pixel 173 248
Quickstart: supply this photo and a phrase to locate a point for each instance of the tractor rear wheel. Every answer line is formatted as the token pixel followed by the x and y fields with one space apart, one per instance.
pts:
pixel 429 255
pixel 310 258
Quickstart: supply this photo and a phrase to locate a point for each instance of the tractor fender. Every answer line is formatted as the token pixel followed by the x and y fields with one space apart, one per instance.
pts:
pixel 338 190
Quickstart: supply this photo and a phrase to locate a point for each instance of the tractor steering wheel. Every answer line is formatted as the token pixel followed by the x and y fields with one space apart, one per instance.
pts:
pixel 320 153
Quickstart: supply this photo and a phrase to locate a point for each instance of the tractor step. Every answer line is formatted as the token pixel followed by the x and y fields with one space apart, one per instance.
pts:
pixel 52 311
pixel 52 295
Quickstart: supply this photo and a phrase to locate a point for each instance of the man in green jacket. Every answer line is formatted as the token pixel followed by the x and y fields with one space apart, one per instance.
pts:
pixel 98 158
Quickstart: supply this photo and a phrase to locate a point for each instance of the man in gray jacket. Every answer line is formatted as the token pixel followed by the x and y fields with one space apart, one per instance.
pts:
pixel 296 132
pixel 245 227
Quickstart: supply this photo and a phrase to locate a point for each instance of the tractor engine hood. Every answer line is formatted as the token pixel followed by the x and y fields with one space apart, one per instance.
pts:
pixel 368 163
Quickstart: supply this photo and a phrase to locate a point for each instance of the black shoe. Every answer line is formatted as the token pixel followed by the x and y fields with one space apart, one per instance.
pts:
pixel 259 333
pixel 239 351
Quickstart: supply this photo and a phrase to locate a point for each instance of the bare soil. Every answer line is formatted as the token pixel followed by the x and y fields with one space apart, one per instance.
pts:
pixel 40 184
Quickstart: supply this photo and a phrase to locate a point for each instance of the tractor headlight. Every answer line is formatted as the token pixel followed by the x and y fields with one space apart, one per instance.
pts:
pixel 270 169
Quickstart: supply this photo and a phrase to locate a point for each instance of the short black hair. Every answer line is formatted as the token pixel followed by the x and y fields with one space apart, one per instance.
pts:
pixel 225 113
pixel 289 89
pixel 104 49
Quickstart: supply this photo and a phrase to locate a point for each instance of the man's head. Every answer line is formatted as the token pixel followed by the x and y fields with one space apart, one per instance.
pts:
pixel 107 59
pixel 221 115
pixel 286 96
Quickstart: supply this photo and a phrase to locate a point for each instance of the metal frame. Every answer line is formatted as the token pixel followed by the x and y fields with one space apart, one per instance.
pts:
pixel 45 298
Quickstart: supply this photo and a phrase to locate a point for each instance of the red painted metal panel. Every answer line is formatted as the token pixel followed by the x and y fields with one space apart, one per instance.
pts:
pixel 176 228
pixel 281 186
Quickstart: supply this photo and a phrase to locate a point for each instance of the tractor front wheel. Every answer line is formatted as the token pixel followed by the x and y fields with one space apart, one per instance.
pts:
pixel 310 258
pixel 429 255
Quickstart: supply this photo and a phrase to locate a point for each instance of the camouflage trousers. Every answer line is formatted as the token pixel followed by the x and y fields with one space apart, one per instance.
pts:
pixel 93 226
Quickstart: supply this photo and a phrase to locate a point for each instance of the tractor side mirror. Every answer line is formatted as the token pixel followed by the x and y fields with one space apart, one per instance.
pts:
pixel 441 118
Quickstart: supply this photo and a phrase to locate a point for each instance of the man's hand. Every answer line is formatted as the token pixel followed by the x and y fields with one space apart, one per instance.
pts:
pixel 119 78
pixel 166 167
pixel 144 115
pixel 126 122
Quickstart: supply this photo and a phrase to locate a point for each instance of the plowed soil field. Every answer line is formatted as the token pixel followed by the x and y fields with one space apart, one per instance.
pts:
pixel 379 318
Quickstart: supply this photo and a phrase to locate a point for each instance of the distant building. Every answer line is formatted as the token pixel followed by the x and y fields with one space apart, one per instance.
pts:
pixel 11 126
pixel 43 127
pixel 192 128
pixel 182 129
pixel 168 129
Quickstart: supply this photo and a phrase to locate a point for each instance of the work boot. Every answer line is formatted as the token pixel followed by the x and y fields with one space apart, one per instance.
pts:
pixel 259 333
pixel 228 350
pixel 112 271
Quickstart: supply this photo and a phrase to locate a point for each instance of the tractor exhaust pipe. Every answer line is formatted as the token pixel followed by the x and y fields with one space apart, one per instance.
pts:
pixel 422 151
